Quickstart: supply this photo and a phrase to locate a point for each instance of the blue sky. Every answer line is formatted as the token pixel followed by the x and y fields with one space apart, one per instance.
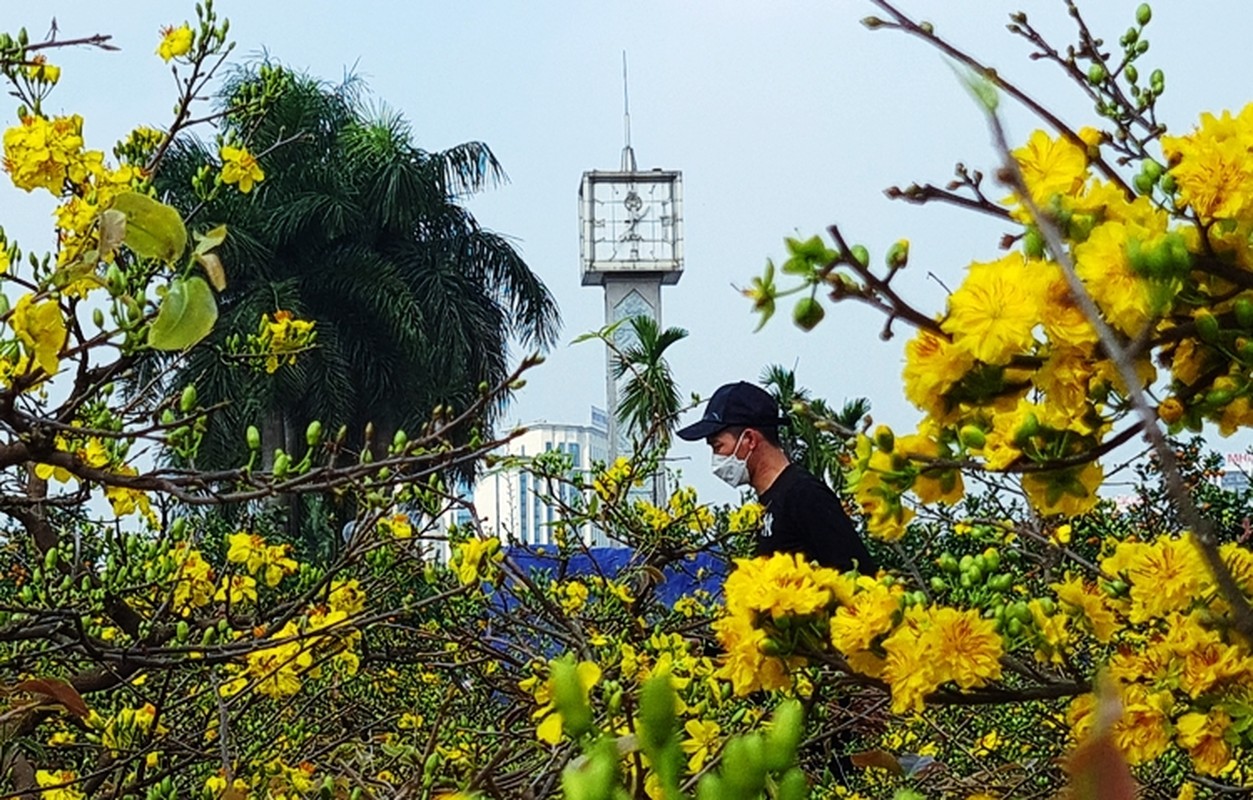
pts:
pixel 784 117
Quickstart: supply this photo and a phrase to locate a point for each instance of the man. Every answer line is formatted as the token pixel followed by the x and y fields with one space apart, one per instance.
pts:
pixel 802 515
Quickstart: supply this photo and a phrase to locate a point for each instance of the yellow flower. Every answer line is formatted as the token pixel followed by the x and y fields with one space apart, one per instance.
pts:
pixel 993 313
pixel 41 328
pixel 932 366
pixel 573 597
pixel 1064 321
pixel 1089 601
pixel 194 582
pixel 346 597
pixel 217 785
pixel 1203 736
pixel 745 518
pixel 869 614
pixel 58 785
pixel 1051 166
pixel 549 729
pixel 936 645
pixel 1102 262
pixel 1070 492
pixel 43 153
pixel 240 167
pixel 473 554
pixel 238 589
pixel 1165 576
pixel 175 42
pixel 1211 165
pixel 702 740
pixel 965 648
pixel 40 70
pixel 1143 733
pixel 247 549
pixel 282 337
pixel 397 526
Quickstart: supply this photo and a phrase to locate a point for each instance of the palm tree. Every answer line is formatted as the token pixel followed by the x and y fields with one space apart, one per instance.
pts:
pixel 648 399
pixel 355 228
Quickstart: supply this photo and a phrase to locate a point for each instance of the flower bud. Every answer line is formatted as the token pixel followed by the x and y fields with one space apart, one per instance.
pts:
pixel 808 313
pixel 884 439
pixel 972 436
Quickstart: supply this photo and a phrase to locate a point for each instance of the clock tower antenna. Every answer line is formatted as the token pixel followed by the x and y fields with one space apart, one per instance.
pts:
pixel 628 155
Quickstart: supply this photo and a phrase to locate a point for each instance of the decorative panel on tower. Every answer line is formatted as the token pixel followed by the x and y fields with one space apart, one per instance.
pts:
pixel 631 223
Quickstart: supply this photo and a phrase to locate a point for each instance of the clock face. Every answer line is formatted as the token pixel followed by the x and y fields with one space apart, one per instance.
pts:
pixel 633 221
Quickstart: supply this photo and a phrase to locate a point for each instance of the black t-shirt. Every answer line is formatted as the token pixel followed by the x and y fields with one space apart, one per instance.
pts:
pixel 803 515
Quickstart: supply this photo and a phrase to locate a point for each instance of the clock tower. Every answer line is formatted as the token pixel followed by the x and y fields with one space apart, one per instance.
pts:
pixel 631 243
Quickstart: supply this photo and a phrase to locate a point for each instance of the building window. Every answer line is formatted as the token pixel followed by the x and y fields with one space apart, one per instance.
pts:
pixel 524 497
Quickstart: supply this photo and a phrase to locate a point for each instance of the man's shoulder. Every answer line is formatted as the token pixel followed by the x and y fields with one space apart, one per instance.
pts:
pixel 795 479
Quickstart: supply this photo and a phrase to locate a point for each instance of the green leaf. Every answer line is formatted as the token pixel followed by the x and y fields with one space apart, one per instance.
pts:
pixel 186 316
pixel 207 241
pixel 212 266
pixel 153 229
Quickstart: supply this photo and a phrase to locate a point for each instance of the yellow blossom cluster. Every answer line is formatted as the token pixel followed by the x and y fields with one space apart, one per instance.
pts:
pixel 780 606
pixel 1183 676
pixel 280 337
pixel 51 154
pixel 1011 375
pixel 549 728
pixel 175 41
pixel 240 168
pixel 59 785
pixel 476 559
pixel 302 647
pixel 615 479
pixel 271 561
pixel 682 508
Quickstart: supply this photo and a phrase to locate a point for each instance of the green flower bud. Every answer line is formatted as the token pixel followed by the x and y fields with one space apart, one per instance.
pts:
pixel 1033 244
pixel 808 313
pixel 1143 14
pixel 898 254
pixel 1097 73
pixel 972 436
pixel 254 438
pixel 313 433
pixel 1243 308
pixel 1207 326
pixel 187 402
pixel 861 255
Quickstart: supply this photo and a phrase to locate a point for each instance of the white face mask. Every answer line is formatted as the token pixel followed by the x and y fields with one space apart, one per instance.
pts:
pixel 731 469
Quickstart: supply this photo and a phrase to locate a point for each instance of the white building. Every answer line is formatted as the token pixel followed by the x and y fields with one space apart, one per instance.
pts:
pixel 510 503
pixel 1236 469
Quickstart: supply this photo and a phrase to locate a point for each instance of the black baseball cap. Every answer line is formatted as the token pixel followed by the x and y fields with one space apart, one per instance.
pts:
pixel 735 405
